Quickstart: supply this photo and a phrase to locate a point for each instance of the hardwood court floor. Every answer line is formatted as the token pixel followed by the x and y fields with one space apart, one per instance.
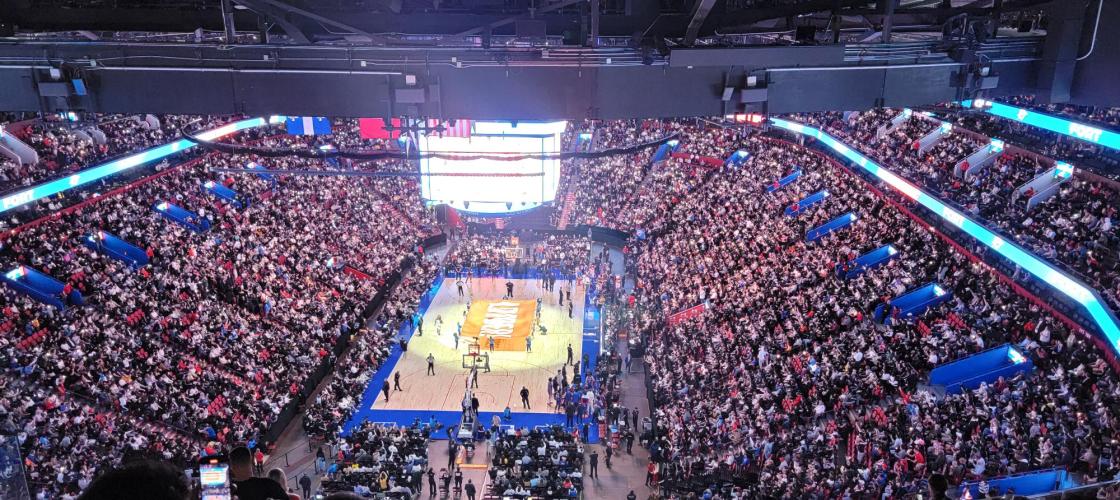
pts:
pixel 509 371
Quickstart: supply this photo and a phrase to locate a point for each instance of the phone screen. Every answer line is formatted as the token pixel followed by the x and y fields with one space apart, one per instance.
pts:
pixel 214 478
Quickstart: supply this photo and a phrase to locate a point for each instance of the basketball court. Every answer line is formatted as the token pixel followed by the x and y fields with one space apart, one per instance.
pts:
pixel 512 323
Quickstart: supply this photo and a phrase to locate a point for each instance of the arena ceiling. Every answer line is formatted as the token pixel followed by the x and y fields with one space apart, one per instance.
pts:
pixel 306 21
pixel 525 59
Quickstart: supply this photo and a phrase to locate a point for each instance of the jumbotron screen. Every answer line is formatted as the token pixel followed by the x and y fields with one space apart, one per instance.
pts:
pixel 493 186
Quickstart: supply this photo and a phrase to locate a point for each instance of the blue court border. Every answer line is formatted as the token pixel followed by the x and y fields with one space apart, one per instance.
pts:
pixel 364 413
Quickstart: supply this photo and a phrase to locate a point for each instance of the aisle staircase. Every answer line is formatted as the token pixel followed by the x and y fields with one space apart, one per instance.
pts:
pixel 566 211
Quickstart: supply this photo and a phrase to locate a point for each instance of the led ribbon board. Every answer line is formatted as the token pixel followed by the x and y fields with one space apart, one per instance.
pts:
pixel 1087 133
pixel 51 188
pixel 1088 298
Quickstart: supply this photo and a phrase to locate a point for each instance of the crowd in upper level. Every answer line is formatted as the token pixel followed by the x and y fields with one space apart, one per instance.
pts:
pixel 65 146
pixel 1073 227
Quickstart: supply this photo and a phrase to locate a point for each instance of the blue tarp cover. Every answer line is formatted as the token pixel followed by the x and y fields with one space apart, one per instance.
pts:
pixel 830 226
pixel 784 181
pixel 114 247
pixel 184 217
pixel 806 202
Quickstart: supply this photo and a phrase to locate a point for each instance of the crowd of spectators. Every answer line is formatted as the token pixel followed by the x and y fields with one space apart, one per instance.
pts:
pixel 65 146
pixel 784 387
pixel 537 463
pixel 217 335
pixel 333 406
pixel 491 252
pixel 379 460
pixel 1073 227
pixel 1099 159
pixel 49 166
pixel 602 187
pixel 67 439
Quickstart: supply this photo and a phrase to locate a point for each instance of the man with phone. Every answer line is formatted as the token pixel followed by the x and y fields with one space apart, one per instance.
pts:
pixel 249 487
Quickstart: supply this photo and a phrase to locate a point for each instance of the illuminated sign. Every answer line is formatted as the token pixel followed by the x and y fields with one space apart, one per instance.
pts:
pixel 1088 133
pixel 998 145
pixel 1015 356
pixel 16 273
pixel 119 165
pixel 1062 170
pixel 1088 299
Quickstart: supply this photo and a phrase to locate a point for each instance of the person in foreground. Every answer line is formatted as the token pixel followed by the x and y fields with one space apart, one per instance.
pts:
pixel 249 487
pixel 143 480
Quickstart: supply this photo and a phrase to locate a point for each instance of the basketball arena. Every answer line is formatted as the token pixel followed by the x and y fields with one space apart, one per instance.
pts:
pixel 559 249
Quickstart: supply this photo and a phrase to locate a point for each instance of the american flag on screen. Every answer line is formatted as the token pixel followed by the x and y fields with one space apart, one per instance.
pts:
pixel 453 128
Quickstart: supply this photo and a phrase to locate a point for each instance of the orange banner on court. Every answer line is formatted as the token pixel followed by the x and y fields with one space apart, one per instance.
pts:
pixel 508 322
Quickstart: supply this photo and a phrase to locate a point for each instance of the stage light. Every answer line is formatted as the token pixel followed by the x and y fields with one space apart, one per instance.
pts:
pixel 997 145
pixel 209 184
pixel 162 206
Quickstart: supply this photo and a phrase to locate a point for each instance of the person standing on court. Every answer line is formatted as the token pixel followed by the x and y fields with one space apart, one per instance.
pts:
pixel 469 488
pixel 594 462
pixel 431 482
pixel 570 354
pixel 397 381
pixel 432 361
pixel 509 289
pixel 569 309
pixel 528 344
pixel 385 389
pixel 459 285
pixel 491 344
pixel 525 398
pixel 610 453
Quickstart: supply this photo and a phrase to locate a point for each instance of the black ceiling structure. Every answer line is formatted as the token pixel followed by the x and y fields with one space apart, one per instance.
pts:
pixel 529 59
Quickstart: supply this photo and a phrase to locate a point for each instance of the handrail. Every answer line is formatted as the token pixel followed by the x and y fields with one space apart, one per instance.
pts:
pixel 1077 489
